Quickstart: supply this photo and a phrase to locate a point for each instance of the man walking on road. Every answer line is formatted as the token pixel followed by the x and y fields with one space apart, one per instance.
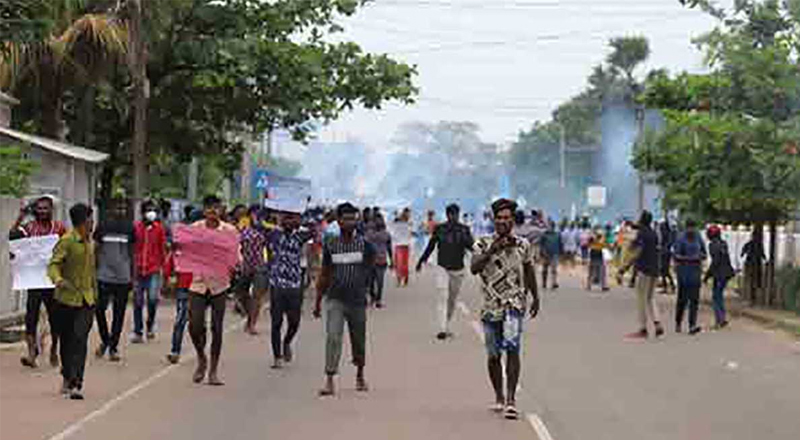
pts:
pixel 115 240
pixel 644 254
pixel 453 240
pixel 72 270
pixel 721 271
pixel 504 263
pixel 346 264
pixel 550 246
pixel 183 282
pixel 253 274
pixel 150 253
pixel 286 282
pixel 208 292
pixel 380 237
pixel 690 252
pixel 41 225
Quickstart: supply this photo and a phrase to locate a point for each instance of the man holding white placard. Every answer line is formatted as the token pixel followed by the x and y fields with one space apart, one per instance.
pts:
pixel 42 225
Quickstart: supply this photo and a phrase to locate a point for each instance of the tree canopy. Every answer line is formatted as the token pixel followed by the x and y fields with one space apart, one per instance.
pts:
pixel 219 72
pixel 729 150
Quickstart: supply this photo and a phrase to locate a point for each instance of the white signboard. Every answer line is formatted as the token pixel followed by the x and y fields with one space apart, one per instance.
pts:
pixel 29 265
pixel 596 196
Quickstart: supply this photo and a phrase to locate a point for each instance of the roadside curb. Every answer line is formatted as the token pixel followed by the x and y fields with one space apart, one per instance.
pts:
pixel 766 318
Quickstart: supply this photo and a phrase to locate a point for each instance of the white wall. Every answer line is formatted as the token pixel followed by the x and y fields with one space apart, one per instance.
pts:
pixel 9 301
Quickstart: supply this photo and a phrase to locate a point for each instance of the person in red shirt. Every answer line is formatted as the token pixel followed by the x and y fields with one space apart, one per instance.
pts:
pixel 41 225
pixel 150 255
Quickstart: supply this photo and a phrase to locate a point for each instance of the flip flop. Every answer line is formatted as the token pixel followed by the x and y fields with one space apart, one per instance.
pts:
pixel 496 408
pixel 511 413
pixel 326 392
pixel 215 382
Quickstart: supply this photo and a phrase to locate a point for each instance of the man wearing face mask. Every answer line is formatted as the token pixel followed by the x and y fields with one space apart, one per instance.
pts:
pixel 72 270
pixel 41 225
pixel 150 252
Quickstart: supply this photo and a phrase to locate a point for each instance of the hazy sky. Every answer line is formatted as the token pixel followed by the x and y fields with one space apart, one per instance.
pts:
pixel 506 63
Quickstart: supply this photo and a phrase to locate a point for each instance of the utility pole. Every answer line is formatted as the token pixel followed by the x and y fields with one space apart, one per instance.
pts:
pixel 137 65
pixel 640 175
pixel 246 167
pixel 194 171
pixel 562 156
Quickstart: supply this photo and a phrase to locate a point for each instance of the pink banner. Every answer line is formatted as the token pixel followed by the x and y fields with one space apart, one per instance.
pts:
pixel 205 252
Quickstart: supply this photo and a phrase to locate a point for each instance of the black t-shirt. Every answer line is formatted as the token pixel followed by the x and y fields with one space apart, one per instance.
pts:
pixel 647 243
pixel 115 240
pixel 351 262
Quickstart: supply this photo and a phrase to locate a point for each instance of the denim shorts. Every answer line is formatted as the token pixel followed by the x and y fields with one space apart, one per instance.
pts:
pixel 505 335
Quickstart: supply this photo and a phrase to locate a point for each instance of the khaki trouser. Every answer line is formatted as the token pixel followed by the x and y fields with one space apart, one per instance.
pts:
pixel 449 284
pixel 646 299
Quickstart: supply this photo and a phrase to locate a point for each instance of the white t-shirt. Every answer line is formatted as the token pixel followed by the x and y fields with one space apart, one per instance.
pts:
pixel 401 233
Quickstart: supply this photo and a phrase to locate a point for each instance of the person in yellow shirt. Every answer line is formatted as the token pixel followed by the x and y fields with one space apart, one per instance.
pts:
pixel 72 269
pixel 597 263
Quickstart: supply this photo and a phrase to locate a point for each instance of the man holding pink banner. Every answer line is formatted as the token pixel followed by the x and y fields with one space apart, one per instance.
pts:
pixel 209 250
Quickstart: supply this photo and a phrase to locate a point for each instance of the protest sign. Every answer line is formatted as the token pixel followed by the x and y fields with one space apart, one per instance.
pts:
pixel 29 263
pixel 205 252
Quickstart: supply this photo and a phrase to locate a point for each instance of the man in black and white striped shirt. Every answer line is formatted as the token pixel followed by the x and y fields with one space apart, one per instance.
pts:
pixel 346 264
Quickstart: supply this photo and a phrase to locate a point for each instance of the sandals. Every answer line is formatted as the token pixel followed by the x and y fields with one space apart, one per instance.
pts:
pixel 511 412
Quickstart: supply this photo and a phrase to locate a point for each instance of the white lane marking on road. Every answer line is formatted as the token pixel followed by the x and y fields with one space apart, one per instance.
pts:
pixel 538 425
pixel 108 406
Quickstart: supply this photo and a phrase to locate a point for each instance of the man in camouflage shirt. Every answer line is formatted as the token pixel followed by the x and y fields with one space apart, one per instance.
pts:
pixel 504 263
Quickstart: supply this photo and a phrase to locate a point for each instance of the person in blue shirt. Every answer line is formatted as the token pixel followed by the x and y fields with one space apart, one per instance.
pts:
pixel 550 246
pixel 690 252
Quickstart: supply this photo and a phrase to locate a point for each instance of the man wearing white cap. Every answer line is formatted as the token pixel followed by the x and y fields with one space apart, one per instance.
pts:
pixel 286 280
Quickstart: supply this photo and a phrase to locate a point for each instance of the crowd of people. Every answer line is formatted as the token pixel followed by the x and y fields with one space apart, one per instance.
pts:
pixel 345 254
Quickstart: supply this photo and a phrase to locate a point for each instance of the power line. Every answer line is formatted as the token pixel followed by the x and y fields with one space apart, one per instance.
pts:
pixel 517 4
pixel 521 41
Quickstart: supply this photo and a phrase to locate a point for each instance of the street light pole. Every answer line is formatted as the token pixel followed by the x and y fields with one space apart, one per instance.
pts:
pixel 562 156
pixel 640 175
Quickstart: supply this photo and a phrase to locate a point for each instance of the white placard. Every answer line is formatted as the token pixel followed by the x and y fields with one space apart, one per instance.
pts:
pixel 596 196
pixel 29 265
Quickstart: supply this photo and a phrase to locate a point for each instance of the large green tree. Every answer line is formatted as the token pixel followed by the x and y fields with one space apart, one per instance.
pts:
pixel 78 42
pixel 728 152
pixel 220 71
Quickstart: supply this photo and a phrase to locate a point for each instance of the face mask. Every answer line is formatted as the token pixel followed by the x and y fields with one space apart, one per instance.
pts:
pixel 150 216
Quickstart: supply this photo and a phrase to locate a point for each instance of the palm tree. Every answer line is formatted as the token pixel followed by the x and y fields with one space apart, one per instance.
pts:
pixel 83 38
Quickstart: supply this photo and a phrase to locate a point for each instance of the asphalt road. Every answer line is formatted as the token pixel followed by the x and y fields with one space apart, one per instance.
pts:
pixel 581 380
